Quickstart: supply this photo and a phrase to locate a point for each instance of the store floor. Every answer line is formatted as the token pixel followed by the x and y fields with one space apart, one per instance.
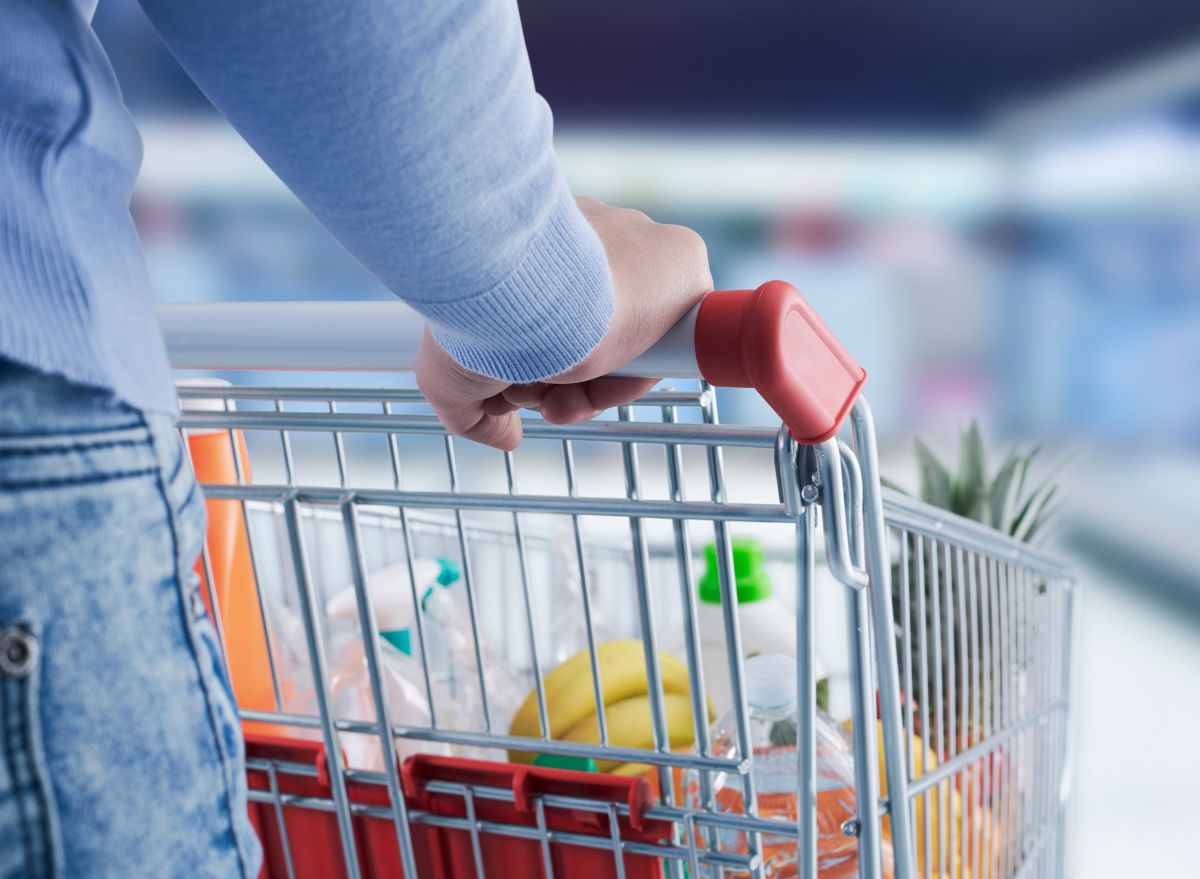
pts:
pixel 1137 757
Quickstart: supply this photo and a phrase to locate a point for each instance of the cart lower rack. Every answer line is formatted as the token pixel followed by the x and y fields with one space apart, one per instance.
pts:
pixel 332 505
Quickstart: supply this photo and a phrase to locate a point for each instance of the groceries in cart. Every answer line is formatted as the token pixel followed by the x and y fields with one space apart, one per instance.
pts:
pixel 765 623
pixel 570 705
pixel 771 696
pixel 226 571
pixel 456 702
pixel 578 636
pixel 402 676
pixel 447 621
pixel 953 829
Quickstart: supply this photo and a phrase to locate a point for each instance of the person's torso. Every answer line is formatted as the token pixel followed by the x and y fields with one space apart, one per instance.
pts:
pixel 74 293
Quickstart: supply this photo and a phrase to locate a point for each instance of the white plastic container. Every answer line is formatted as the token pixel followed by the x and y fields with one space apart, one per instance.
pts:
pixel 390 594
pixel 767 625
pixel 450 650
pixel 403 680
pixel 407 705
pixel 774 726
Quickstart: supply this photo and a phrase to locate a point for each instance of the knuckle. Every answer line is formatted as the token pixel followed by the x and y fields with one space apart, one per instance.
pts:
pixel 693 251
pixel 691 241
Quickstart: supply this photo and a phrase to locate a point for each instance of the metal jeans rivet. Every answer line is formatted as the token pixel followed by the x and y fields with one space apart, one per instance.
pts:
pixel 18 652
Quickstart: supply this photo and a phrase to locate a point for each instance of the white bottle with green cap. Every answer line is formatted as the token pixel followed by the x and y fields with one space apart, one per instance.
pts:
pixel 403 680
pixel 767 625
pixel 392 597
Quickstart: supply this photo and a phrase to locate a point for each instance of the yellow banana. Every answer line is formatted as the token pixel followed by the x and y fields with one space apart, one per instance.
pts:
pixel 630 725
pixel 946 818
pixel 632 770
pixel 569 695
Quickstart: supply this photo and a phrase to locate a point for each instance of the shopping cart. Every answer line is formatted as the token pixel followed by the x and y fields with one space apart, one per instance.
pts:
pixel 956 639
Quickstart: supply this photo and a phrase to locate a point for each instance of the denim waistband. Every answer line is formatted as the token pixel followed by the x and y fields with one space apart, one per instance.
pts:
pixel 34 403
pixel 54 432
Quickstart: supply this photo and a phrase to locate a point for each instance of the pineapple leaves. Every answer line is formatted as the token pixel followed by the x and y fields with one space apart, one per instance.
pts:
pixel 1037 511
pixel 1001 502
pixel 1039 531
pixel 970 489
pixel 1030 518
pixel 1002 497
pixel 1033 453
pixel 935 478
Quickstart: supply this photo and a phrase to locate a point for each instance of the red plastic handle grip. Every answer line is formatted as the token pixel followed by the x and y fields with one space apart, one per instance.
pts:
pixel 770 339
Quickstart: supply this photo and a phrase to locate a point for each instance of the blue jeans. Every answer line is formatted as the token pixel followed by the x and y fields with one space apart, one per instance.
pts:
pixel 120 749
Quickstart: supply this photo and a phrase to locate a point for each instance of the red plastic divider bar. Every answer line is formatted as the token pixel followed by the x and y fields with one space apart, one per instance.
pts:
pixel 447 853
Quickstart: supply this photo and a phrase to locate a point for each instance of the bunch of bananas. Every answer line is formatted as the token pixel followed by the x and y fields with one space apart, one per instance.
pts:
pixel 571 704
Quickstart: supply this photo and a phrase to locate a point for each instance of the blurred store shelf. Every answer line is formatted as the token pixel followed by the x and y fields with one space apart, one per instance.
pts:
pixel 1140 514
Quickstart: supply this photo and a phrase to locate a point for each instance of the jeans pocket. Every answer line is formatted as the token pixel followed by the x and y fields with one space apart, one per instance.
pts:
pixel 30 845
pixel 124 733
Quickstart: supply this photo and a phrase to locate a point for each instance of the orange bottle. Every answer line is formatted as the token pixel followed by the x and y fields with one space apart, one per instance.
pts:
pixel 234 586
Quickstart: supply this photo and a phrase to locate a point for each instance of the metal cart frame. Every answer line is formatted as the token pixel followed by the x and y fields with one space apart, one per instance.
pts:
pixel 982 675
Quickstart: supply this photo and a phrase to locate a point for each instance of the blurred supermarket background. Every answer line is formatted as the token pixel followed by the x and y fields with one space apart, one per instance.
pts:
pixel 997 207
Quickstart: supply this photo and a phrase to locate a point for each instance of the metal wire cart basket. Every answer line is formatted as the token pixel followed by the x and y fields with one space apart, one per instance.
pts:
pixel 386 596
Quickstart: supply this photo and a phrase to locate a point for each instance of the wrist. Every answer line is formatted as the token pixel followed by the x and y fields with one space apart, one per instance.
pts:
pixel 545 317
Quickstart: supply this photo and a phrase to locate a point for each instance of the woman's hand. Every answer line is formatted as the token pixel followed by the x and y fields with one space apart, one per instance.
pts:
pixel 659 272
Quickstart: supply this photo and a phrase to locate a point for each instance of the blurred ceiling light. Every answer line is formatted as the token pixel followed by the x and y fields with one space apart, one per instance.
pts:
pixel 1153 163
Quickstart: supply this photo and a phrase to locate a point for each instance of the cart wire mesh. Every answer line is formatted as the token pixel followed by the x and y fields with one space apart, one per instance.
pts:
pixel 955 637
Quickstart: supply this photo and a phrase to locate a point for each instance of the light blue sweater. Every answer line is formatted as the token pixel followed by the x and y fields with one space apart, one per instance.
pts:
pixel 411 128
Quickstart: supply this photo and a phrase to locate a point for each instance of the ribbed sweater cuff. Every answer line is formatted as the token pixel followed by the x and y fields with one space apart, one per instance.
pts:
pixel 549 313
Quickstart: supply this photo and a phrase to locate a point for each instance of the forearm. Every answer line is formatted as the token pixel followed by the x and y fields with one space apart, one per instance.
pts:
pixel 413 131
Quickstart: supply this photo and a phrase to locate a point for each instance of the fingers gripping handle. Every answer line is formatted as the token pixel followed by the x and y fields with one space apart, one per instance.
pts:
pixel 770 339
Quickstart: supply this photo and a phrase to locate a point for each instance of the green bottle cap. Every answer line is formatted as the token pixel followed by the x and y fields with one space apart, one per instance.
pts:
pixel 562 761
pixel 401 639
pixel 450 573
pixel 749 573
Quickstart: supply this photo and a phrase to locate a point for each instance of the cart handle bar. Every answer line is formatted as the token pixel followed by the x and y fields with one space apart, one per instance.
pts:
pixel 769 339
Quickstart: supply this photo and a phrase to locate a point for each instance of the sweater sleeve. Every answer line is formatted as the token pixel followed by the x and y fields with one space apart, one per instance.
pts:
pixel 412 130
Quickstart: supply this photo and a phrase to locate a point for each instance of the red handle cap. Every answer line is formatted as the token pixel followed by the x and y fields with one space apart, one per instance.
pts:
pixel 770 339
